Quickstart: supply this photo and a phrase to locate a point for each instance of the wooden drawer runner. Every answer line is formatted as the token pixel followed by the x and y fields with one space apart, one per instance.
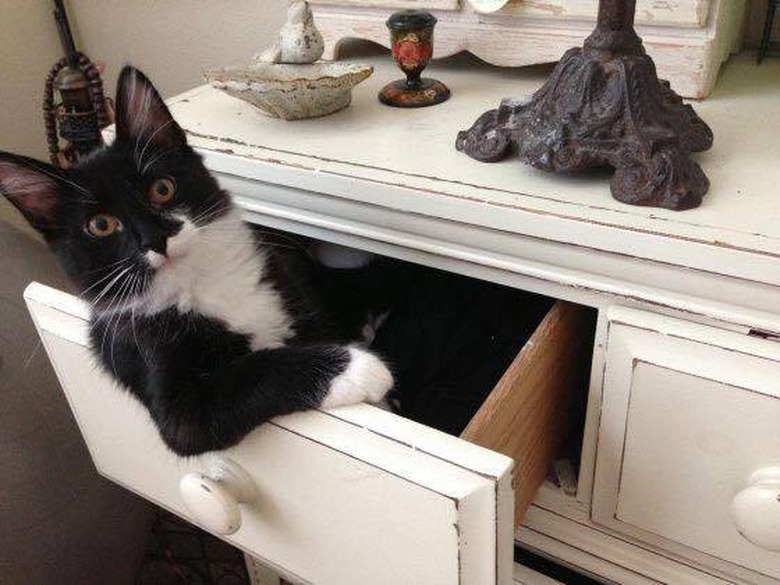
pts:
pixel 353 495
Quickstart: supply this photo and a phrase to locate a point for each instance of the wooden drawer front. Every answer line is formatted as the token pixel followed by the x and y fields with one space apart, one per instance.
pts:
pixel 681 13
pixel 688 414
pixel 395 4
pixel 353 495
pixel 337 502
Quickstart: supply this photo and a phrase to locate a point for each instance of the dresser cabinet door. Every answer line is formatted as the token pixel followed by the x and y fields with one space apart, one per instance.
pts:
pixel 689 442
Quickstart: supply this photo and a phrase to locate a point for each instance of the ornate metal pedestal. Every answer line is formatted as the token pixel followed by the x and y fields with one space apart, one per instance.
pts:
pixel 604 105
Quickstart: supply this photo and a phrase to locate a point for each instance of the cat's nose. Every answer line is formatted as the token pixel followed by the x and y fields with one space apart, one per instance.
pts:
pixel 155 238
pixel 158 245
pixel 154 234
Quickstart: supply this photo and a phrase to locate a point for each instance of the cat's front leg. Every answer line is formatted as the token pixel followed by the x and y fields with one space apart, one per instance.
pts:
pixel 195 414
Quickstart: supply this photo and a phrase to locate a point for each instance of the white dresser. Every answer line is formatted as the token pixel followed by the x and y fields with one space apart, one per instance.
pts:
pixel 688 39
pixel 681 446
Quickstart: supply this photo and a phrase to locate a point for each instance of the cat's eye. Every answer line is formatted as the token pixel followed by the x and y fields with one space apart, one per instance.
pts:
pixel 162 190
pixel 103 225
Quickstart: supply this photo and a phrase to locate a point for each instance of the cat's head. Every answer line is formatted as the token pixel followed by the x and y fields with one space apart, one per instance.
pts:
pixel 122 214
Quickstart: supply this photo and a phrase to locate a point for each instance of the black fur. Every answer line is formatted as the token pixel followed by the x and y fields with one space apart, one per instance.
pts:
pixel 202 383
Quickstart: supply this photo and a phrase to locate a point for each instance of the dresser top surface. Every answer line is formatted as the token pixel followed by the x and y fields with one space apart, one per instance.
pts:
pixel 413 152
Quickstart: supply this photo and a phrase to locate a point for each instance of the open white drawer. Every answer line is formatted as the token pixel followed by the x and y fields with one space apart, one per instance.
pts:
pixel 355 495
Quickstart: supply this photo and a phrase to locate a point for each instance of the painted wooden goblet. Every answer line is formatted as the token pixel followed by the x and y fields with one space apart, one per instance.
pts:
pixel 411 35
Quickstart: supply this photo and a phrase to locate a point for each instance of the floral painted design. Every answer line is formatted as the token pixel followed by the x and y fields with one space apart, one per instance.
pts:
pixel 410 52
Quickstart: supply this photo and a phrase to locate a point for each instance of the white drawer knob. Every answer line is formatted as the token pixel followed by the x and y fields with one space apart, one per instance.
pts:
pixel 756 509
pixel 212 498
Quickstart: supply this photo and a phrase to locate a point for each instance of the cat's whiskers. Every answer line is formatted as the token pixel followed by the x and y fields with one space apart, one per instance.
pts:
pixel 104 293
pixel 134 301
pixel 111 318
pixel 294 241
pixel 108 311
pixel 141 286
pixel 102 268
pixel 207 214
pixel 126 297
pixel 106 277
pixel 100 318
pixel 110 285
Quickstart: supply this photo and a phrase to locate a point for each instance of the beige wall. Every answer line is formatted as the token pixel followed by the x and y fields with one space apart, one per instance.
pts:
pixel 28 47
pixel 172 40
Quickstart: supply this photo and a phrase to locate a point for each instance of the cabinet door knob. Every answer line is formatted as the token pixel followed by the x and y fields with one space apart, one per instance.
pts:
pixel 756 509
pixel 213 498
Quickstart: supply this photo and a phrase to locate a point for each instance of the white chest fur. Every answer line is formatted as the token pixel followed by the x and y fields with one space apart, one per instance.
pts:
pixel 215 271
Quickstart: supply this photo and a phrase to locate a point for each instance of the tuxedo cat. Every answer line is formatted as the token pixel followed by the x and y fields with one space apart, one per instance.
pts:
pixel 214 326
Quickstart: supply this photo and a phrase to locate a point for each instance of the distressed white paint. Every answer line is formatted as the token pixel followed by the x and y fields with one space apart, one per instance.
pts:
pixel 688 39
pixel 412 189
pixel 420 501
pixel 574 540
pixel 407 4
pixel 688 412
pixel 260 574
pixel 673 13
pixel 487 6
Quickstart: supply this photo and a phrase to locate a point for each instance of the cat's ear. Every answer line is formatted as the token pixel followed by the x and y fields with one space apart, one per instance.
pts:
pixel 142 119
pixel 34 188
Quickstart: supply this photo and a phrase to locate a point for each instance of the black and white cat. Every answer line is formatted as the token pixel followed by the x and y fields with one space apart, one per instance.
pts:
pixel 214 326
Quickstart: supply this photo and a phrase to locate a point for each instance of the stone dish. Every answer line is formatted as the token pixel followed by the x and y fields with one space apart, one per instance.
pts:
pixel 292 92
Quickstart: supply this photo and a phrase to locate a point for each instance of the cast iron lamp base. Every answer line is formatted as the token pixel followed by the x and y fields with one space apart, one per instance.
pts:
pixel 604 105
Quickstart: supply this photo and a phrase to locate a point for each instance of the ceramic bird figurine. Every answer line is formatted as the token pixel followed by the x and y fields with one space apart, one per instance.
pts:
pixel 299 40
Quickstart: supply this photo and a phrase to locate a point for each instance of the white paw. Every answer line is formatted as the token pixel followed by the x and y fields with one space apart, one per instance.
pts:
pixel 366 379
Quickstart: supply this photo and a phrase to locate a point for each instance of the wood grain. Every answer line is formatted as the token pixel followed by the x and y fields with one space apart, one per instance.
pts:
pixel 525 416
